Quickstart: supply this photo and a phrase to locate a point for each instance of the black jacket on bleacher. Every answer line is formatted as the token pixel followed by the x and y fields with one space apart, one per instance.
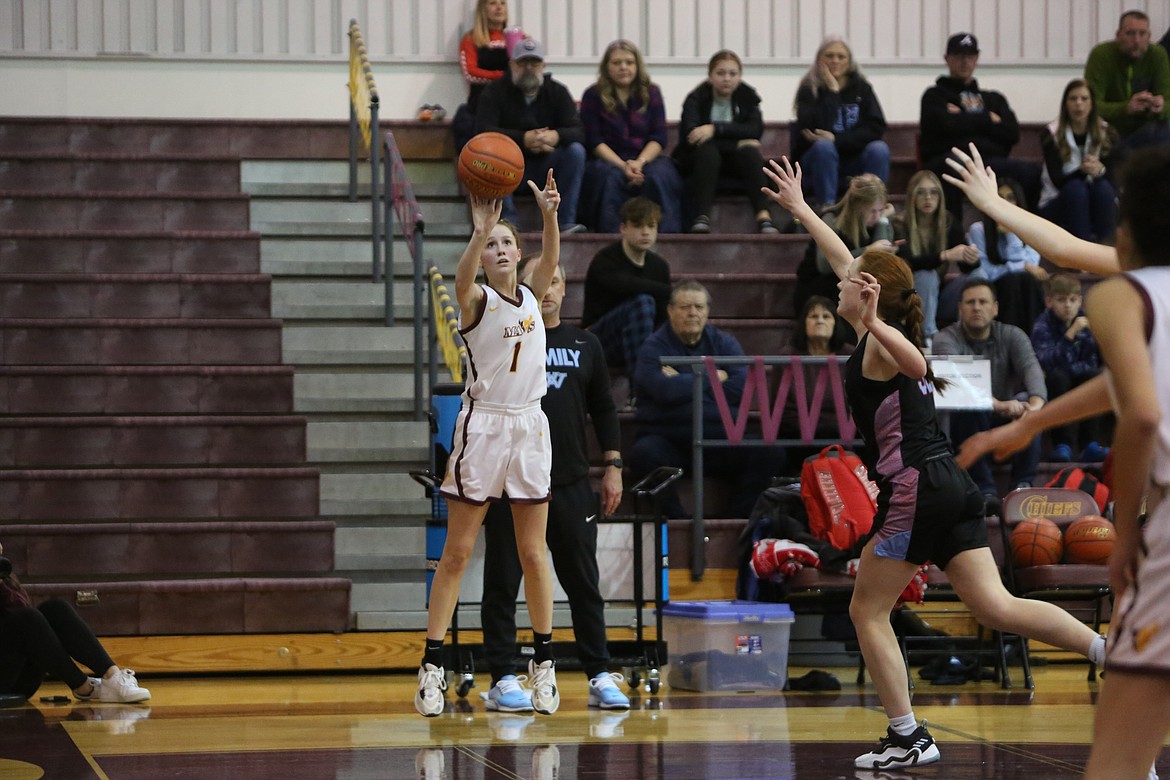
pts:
pixel 503 109
pixel 940 129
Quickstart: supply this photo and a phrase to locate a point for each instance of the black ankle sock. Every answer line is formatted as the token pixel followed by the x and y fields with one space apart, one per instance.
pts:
pixel 542 646
pixel 433 652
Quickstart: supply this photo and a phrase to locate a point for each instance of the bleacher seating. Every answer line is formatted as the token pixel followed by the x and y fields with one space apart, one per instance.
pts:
pixel 151 470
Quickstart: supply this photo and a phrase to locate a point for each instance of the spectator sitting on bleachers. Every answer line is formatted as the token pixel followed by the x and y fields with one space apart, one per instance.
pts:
pixel 1069 355
pixel 663 415
pixel 540 115
pixel 1131 81
pixel 839 124
pixel 627 287
pixel 955 112
pixel 1075 191
pixel 1010 265
pixel 819 332
pixel 625 134
pixel 1017 381
pixel 483 58
pixel 861 219
pixel 720 131
pixel 929 237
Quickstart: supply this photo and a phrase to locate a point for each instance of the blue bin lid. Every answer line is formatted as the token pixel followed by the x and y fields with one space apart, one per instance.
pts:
pixel 741 611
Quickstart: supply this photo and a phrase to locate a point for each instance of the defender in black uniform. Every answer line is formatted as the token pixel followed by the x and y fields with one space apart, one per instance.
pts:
pixel 928 508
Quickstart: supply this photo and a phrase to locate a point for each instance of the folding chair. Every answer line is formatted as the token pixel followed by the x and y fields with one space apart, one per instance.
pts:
pixel 1061 582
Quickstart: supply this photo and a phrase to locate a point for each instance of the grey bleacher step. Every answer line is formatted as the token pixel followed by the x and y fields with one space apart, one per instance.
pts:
pixel 376 618
pixel 295 299
pixel 351 256
pixel 336 217
pixel 318 389
pixel 348 344
pixel 370 441
pixel 365 548
pixel 315 178
pixel 394 494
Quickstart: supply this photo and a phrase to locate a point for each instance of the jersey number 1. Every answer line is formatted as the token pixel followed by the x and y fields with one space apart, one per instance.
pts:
pixel 515 356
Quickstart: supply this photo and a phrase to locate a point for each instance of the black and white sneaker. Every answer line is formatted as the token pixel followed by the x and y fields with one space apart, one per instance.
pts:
pixel 894 751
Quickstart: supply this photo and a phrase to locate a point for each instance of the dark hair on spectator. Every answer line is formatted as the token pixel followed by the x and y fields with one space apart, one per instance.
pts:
pixel 640 211
pixel 1062 283
pixel 898 300
pixel 688 285
pixel 1145 191
pixel 1101 135
pixel 1133 13
pixel 991 229
pixel 800 332
pixel 978 281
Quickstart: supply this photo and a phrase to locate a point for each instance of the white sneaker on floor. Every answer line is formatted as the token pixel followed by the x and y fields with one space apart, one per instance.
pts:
pixel 122 688
pixel 546 698
pixel 432 682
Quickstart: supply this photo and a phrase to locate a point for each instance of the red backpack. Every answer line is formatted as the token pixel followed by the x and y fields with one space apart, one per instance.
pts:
pixel 839 496
pixel 1078 479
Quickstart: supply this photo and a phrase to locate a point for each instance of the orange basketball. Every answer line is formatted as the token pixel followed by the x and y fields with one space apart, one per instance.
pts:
pixel 491 166
pixel 1036 541
pixel 1089 540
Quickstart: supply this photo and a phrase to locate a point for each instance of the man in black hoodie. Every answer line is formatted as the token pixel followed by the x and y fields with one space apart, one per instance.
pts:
pixel 956 112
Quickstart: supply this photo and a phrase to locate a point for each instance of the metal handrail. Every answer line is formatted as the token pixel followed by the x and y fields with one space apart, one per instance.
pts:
pixel 770 410
pixel 363 126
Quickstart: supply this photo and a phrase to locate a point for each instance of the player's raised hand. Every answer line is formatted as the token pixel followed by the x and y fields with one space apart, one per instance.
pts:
pixel 787 178
pixel 485 213
pixel 975 179
pixel 549 199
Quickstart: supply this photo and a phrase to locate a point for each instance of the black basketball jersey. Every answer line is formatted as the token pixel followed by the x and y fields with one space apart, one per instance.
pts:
pixel 897 419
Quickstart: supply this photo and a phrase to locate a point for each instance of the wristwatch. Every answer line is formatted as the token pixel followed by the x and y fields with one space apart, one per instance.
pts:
pixel 617 463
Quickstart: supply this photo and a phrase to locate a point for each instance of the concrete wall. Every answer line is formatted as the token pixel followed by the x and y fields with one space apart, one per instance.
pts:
pixel 287 58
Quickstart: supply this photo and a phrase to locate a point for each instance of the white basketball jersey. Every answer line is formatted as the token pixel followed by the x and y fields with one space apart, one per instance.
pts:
pixel 506 350
pixel 1155 281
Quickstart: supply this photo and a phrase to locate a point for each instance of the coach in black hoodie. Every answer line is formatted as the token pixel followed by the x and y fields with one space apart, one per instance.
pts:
pixel 956 112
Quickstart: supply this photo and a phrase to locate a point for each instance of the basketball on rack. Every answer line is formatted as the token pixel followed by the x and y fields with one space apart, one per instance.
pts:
pixel 1089 540
pixel 1036 541
pixel 491 166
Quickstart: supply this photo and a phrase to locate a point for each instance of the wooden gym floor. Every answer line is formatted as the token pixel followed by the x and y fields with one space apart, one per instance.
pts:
pixel 364 726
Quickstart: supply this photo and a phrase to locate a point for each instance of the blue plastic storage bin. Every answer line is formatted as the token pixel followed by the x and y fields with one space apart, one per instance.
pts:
pixel 727 645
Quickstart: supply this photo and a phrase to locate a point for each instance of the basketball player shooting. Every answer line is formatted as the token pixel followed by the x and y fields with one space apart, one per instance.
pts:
pixel 501 438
